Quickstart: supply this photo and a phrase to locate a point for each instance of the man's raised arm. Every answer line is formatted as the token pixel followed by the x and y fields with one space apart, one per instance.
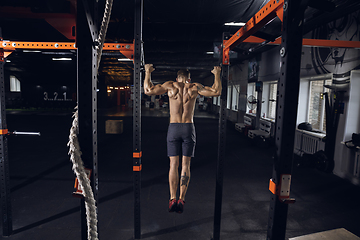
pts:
pixel 149 87
pixel 215 89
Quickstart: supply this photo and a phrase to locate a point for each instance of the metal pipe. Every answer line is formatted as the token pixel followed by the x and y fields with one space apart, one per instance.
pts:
pixel 25 133
pixel 183 67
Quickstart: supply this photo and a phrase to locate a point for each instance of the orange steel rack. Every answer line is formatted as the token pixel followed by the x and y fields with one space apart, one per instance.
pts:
pixel 271 10
pixel 127 49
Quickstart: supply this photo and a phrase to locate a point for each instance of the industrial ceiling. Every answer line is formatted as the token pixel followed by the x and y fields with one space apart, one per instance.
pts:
pixel 176 34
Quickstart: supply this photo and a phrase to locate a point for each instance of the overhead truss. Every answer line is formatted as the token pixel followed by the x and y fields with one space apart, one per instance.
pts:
pixel 269 12
pixel 127 49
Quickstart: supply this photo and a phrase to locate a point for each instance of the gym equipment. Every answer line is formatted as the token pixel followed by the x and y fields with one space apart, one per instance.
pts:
pixel 252 102
pixel 25 133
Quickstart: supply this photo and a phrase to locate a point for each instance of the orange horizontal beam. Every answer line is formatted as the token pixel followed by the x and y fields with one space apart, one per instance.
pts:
pixel 10 45
pixel 260 19
pixel 331 43
pixel 253 39
pixel 311 42
pixel 119 46
pixel 36 45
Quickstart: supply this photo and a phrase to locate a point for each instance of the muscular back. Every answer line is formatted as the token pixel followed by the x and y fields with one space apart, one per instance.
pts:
pixel 182 98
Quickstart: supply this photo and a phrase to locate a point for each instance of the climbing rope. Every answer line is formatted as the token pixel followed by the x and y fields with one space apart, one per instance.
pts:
pixel 74 146
pixel 103 29
pixel 84 181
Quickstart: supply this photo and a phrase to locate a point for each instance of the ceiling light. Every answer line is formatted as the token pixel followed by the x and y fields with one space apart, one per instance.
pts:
pixel 239 24
pixel 61 59
pixel 32 51
pixel 8 61
pixel 124 60
pixel 58 53
pixel 209 53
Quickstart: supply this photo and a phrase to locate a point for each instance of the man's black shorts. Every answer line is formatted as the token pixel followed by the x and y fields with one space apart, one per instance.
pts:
pixel 181 135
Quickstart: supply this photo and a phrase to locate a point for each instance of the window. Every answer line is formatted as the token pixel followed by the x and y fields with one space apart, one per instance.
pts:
pixel 235 97
pixel 14 84
pixel 316 115
pixel 272 100
pixel 229 97
pixel 251 95
pixel 214 101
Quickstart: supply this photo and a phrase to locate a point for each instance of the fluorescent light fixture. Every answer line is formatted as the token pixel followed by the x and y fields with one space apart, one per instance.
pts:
pixel 8 60
pixel 32 51
pixel 57 53
pixel 239 24
pixel 124 60
pixel 210 53
pixel 61 59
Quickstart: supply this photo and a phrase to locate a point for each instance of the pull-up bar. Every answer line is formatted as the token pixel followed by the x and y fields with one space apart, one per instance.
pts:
pixel 180 67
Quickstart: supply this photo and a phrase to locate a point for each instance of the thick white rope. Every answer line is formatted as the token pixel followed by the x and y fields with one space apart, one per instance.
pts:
pixel 74 146
pixel 84 181
pixel 103 29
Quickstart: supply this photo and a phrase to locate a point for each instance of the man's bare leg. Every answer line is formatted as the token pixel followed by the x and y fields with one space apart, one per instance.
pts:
pixel 173 176
pixel 185 176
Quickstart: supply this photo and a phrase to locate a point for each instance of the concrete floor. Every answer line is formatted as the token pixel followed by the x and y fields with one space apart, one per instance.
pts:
pixel 42 182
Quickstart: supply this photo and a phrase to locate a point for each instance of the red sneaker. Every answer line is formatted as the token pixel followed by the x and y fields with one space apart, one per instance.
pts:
pixel 172 205
pixel 180 206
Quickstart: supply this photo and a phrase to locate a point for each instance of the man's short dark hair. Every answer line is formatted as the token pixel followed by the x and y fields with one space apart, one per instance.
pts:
pixel 184 72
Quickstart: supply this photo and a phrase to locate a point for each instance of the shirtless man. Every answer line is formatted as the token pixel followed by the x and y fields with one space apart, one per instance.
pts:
pixel 181 132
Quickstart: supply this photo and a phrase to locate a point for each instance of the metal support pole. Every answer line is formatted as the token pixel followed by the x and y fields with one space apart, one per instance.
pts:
pixel 258 104
pixel 137 153
pixel 87 96
pixel 221 148
pixel 4 160
pixel 287 101
pixel 332 111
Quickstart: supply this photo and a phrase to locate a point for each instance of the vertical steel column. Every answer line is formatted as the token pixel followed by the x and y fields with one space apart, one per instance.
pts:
pixel 87 96
pixel 258 108
pixel 137 116
pixel 287 100
pixel 4 160
pixel 221 148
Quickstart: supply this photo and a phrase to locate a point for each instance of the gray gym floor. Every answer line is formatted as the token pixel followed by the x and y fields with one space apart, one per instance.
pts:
pixel 42 182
